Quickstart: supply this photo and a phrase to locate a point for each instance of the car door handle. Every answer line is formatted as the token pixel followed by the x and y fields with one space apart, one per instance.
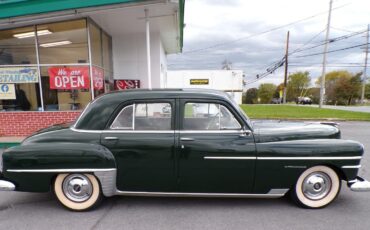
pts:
pixel 110 138
pixel 186 139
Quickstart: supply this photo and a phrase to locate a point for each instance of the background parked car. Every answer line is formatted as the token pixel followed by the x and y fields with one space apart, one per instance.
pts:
pixel 304 100
pixel 276 100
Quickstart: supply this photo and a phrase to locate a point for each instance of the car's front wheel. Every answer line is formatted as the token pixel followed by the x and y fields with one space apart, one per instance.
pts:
pixel 78 192
pixel 316 187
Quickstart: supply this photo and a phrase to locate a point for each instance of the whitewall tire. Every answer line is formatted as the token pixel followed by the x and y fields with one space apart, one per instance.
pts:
pixel 78 192
pixel 316 187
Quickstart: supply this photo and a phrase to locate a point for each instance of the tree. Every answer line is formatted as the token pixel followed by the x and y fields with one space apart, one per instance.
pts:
pixel 346 89
pixel 341 87
pixel 367 91
pixel 266 92
pixel 251 96
pixel 297 85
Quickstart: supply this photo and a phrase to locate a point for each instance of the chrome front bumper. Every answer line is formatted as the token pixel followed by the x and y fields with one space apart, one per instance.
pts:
pixel 359 185
pixel 6 186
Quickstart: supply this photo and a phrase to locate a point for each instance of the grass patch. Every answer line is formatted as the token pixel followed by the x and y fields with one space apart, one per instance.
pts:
pixel 301 112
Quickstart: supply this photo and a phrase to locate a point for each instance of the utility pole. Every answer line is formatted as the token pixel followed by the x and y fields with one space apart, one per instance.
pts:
pixel 286 67
pixel 364 75
pixel 322 87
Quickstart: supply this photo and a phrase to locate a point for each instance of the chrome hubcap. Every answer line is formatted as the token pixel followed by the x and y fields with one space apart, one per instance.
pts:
pixel 77 188
pixel 316 186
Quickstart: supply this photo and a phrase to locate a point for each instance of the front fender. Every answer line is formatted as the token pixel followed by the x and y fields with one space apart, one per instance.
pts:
pixel 32 167
pixel 280 163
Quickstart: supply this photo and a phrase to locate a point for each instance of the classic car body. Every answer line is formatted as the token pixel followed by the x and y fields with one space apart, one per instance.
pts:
pixel 181 143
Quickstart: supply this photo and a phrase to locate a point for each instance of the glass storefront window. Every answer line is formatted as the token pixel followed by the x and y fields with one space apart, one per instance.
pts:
pixel 19 89
pixel 96 45
pixel 65 87
pixel 17 46
pixel 66 43
pixel 107 52
pixel 62 64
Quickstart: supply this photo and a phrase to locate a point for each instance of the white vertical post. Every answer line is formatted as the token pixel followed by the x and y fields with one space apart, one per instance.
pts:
pixel 365 67
pixel 39 69
pixel 90 61
pixel 149 66
pixel 322 87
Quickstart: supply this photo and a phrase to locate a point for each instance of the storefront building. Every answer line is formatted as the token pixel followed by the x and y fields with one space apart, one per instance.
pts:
pixel 56 56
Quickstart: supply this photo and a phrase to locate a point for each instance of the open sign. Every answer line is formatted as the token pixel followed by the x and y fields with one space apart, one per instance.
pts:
pixel 69 78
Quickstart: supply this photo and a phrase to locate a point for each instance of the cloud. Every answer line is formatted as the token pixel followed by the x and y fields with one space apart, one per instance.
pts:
pixel 237 26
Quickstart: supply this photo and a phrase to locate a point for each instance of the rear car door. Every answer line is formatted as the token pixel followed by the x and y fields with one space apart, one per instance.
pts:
pixel 217 153
pixel 141 137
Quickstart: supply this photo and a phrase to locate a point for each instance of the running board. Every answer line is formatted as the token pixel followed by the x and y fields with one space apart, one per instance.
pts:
pixel 273 193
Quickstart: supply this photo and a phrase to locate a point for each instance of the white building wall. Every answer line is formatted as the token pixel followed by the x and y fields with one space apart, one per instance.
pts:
pixel 129 58
pixel 163 66
pixel 230 81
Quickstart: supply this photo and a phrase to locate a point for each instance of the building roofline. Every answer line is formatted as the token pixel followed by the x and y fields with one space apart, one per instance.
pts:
pixel 10 10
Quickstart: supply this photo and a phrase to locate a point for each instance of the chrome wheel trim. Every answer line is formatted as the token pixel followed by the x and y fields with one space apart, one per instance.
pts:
pixel 316 186
pixel 77 188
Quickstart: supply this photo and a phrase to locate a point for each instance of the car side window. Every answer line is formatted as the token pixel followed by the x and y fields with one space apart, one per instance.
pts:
pixel 144 116
pixel 209 116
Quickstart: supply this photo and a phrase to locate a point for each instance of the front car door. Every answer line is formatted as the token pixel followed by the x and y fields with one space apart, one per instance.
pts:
pixel 141 137
pixel 217 152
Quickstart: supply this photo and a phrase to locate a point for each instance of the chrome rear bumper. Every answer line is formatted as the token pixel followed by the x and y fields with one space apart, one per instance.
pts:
pixel 6 186
pixel 359 185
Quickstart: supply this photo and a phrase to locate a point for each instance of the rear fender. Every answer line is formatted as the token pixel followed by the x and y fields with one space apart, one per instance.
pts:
pixel 32 167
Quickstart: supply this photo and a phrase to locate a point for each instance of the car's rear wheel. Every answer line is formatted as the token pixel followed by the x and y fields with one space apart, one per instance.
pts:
pixel 316 187
pixel 77 192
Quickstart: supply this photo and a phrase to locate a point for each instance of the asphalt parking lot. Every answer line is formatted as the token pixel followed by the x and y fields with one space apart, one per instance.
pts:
pixel 41 211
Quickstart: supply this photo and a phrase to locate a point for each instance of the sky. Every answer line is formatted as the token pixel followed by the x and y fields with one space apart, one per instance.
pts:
pixel 251 34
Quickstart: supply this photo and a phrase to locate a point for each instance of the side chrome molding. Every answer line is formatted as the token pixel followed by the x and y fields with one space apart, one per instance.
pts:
pixel 59 170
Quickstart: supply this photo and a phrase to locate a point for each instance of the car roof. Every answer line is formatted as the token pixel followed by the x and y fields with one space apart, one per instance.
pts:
pixel 97 114
pixel 169 91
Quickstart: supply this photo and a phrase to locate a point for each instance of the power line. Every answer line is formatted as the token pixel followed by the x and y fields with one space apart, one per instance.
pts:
pixel 332 41
pixel 263 32
pixel 331 51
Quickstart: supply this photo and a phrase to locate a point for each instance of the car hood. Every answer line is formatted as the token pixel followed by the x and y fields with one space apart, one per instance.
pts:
pixel 271 131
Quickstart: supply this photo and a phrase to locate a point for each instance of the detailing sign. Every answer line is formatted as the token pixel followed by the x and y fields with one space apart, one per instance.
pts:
pixel 19 75
pixel 199 81
pixel 7 92
pixel 126 84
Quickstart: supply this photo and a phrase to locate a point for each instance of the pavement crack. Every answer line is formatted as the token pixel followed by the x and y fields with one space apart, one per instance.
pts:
pixel 103 216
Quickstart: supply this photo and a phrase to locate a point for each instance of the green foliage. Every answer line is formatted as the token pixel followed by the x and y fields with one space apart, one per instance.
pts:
pixel 266 92
pixel 297 85
pixel 250 97
pixel 367 91
pixel 314 94
pixel 342 87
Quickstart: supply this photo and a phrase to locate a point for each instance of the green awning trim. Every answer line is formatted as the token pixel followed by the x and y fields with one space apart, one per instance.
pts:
pixel 181 21
pixel 18 8
pixel 14 8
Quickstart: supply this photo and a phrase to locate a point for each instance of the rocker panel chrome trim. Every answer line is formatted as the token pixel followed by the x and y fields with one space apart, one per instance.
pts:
pixel 351 166
pixel 273 193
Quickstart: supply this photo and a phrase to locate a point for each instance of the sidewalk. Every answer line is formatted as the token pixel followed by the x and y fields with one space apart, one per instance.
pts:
pixel 6 142
pixel 364 109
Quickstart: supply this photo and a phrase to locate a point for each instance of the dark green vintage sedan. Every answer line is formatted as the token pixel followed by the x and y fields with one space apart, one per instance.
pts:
pixel 181 143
